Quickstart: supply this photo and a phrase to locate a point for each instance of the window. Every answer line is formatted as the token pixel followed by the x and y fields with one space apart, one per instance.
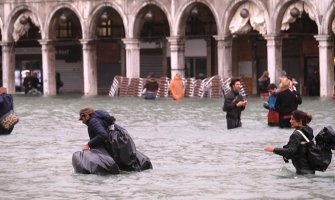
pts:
pixel 65 29
pixel 105 28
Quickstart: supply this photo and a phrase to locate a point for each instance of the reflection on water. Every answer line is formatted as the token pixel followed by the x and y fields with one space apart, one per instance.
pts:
pixel 193 154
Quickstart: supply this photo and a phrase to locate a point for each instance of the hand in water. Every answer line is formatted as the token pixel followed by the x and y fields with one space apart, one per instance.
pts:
pixel 269 149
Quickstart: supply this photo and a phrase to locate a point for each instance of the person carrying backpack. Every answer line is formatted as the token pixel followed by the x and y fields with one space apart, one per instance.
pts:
pixel 97 131
pixel 296 148
pixel 111 139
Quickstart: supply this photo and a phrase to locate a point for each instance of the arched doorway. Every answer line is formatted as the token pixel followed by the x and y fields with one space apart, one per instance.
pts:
pixel 109 31
pixel 65 32
pixel 249 48
pixel 152 29
pixel 28 58
pixel 300 51
pixel 199 26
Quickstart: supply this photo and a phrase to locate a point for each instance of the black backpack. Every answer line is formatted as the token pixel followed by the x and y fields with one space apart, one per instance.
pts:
pixel 319 154
pixel 119 144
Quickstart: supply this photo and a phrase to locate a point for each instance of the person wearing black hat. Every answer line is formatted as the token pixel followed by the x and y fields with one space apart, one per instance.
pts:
pixel 273 115
pixel 234 104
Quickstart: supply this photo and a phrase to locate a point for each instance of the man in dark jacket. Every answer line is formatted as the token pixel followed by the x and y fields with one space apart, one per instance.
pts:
pixel 6 105
pixel 97 130
pixel 234 104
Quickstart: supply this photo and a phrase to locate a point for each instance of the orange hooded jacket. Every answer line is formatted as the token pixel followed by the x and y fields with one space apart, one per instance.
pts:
pixel 177 87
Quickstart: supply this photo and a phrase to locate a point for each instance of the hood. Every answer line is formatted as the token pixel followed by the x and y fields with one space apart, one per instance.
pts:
pixel 177 77
pixel 308 131
pixel 100 114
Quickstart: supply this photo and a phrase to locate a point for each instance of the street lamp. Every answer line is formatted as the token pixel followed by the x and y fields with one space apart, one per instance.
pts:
pixel 63 18
pixel 23 20
pixel 244 13
pixel 294 12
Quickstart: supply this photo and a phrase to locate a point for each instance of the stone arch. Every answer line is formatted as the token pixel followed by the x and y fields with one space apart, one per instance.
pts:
pixel 232 8
pixel 91 24
pixel 283 6
pixel 182 16
pixel 51 22
pixel 134 25
pixel 9 25
pixel 329 18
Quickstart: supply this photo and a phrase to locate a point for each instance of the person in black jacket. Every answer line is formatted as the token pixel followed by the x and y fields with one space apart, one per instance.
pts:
pixel 97 130
pixel 6 105
pixel 234 104
pixel 296 147
pixel 287 101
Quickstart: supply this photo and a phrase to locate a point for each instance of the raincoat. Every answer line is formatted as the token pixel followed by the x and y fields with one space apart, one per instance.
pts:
pixel 177 88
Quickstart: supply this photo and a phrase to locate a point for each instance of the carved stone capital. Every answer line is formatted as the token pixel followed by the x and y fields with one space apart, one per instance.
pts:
pixel 176 43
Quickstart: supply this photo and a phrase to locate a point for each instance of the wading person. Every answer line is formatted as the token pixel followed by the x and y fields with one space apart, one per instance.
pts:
pixel 97 131
pixel 109 137
pixel 151 87
pixel 263 83
pixel 296 147
pixel 270 105
pixel 177 88
pixel 234 104
pixel 287 101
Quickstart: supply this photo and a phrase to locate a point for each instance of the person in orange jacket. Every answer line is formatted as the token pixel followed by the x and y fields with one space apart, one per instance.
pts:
pixel 177 87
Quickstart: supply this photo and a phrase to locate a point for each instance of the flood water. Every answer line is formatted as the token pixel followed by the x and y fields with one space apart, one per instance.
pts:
pixel 193 154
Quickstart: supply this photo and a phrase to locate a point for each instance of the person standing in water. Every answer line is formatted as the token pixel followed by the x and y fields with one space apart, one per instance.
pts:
pixel 296 147
pixel 287 101
pixel 273 115
pixel 234 104
pixel 177 88
pixel 151 87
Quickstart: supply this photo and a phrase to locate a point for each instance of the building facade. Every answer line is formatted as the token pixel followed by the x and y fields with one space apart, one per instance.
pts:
pixel 90 41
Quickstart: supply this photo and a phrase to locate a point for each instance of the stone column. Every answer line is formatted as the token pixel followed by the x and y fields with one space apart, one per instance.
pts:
pixel 209 57
pixel 177 51
pixel 123 59
pixel 132 57
pixel 48 67
pixel 90 67
pixel 164 57
pixel 326 62
pixel 225 55
pixel 274 50
pixel 8 66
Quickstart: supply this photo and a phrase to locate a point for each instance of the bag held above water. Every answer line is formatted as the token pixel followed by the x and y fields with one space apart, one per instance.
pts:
pixel 319 154
pixel 121 146
pixel 8 120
